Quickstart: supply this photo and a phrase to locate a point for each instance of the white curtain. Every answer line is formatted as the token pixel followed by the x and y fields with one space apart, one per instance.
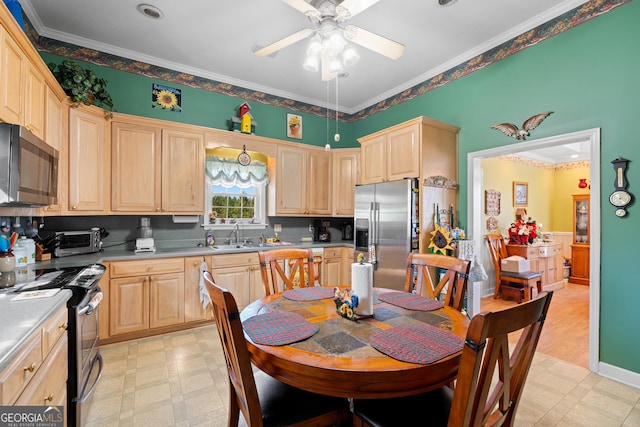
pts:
pixel 229 173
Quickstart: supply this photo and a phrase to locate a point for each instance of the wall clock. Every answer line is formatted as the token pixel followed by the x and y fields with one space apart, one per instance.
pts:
pixel 244 158
pixel 620 198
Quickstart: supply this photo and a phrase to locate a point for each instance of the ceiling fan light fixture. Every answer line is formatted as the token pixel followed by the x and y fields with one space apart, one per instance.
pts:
pixel 315 47
pixel 335 65
pixel 312 63
pixel 350 56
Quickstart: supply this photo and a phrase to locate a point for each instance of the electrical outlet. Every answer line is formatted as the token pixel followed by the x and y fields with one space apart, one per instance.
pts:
pixel 311 228
pixel 277 228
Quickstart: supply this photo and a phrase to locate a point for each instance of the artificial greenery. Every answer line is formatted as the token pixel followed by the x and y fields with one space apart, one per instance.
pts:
pixel 81 84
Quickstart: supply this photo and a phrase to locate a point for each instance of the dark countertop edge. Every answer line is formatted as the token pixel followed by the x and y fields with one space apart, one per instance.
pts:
pixel 122 255
pixel 41 309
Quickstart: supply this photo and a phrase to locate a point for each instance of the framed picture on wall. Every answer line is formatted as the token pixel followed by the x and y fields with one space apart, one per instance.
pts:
pixel 294 126
pixel 520 193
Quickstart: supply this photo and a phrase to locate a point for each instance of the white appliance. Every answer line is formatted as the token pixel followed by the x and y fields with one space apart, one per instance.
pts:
pixel 145 242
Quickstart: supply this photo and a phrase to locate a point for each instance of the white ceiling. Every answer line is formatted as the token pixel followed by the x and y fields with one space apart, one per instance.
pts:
pixel 560 154
pixel 216 40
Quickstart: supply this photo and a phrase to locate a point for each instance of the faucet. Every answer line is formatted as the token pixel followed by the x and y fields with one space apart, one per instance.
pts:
pixel 261 239
pixel 236 232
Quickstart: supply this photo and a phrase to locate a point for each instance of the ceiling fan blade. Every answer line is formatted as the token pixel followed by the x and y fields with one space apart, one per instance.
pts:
pixel 376 43
pixel 303 7
pixel 282 43
pixel 350 8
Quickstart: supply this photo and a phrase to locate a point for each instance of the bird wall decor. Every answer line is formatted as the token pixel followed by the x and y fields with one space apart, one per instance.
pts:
pixel 521 134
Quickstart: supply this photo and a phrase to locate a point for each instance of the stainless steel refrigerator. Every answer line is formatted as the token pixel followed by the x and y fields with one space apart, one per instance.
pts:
pixel 386 224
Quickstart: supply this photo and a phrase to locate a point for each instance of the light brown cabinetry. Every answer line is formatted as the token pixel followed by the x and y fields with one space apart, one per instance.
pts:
pixel 581 244
pixel 34 102
pixel 12 67
pixel 145 294
pixel 56 132
pixel 332 267
pixel 240 274
pixel 38 374
pixel 346 167
pixel 182 171
pixel 391 154
pixel 546 259
pixel 193 310
pixel 89 160
pixel 303 181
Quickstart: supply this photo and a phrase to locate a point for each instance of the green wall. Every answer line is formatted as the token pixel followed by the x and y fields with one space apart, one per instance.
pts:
pixel 587 75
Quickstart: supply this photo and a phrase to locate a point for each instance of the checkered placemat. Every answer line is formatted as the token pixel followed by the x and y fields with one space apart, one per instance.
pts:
pixel 410 301
pixel 278 328
pixel 423 344
pixel 308 294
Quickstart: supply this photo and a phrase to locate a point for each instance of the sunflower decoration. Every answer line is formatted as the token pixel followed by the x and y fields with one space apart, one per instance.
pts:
pixel 166 99
pixel 440 240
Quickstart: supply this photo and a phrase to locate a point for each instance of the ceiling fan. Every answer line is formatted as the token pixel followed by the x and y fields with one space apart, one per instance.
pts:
pixel 328 17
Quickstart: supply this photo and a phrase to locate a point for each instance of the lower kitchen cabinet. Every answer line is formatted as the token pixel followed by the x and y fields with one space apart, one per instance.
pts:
pixel 240 274
pixel 193 310
pixel 332 267
pixel 37 376
pixel 145 294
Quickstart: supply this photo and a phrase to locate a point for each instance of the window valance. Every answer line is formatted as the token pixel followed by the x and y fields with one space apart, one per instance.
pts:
pixel 229 173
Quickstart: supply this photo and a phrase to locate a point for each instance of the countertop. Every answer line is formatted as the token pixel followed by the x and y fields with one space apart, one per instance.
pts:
pixel 20 319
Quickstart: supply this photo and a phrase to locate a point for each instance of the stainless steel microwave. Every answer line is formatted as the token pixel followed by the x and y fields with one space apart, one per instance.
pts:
pixel 28 168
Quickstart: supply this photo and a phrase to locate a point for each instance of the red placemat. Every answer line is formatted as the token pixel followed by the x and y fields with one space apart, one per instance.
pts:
pixel 308 294
pixel 422 343
pixel 278 328
pixel 411 301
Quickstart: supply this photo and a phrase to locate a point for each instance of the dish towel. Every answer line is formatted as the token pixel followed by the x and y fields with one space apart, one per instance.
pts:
pixel 204 295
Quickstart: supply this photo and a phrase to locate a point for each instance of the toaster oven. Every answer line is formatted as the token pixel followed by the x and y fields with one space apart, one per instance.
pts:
pixel 77 242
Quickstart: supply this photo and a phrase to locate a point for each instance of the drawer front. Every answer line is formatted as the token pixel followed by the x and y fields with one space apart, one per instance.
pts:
pixel 231 260
pixel 48 387
pixel 19 373
pixel 145 267
pixel 332 252
pixel 55 327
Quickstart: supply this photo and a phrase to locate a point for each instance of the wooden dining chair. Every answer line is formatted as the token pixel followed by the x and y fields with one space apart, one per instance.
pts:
pixel 510 284
pixel 476 400
pixel 263 400
pixel 284 269
pixel 429 274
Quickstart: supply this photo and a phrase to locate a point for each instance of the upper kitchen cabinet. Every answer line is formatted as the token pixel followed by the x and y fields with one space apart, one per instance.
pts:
pixel 398 152
pixel 155 168
pixel 88 161
pixel 56 130
pixel 303 181
pixel 346 168
pixel 182 171
pixel 12 68
pixel 34 103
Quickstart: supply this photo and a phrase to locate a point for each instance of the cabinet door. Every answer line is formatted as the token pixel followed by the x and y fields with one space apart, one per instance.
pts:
pixel 345 166
pixel 166 300
pixel 193 310
pixel 403 153
pixel 182 172
pixel 34 100
pixel 331 269
pixel 237 280
pixel 372 160
pixel 257 287
pixel 128 305
pixel 55 134
pixel 49 386
pixel 291 181
pixel 318 191
pixel 135 168
pixel 89 157
pixel 12 63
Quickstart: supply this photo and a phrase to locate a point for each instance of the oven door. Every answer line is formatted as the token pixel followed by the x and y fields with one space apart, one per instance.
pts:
pixel 89 360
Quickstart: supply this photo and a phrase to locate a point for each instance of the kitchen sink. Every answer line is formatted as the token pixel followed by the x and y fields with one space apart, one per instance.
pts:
pixel 232 246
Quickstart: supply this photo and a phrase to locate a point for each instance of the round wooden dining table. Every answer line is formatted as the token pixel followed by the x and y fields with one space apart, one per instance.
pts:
pixel 339 360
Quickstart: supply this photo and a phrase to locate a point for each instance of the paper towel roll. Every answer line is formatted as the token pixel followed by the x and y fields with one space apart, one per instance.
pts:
pixel 362 285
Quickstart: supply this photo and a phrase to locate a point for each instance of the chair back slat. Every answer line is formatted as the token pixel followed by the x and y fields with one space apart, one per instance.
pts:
pixel 284 269
pixel 422 277
pixel 477 400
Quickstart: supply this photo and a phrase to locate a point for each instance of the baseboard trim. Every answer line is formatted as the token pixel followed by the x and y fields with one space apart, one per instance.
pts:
pixel 619 374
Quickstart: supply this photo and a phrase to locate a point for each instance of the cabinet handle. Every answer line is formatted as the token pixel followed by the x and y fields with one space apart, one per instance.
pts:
pixel 49 398
pixel 64 326
pixel 31 367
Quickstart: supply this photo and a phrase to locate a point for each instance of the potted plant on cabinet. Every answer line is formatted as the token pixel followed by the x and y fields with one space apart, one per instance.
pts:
pixel 82 85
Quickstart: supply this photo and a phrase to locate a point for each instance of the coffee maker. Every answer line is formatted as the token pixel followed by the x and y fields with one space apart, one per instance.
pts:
pixel 321 231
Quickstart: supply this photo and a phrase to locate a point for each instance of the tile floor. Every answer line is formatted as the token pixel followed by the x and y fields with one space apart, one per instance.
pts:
pixel 179 379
